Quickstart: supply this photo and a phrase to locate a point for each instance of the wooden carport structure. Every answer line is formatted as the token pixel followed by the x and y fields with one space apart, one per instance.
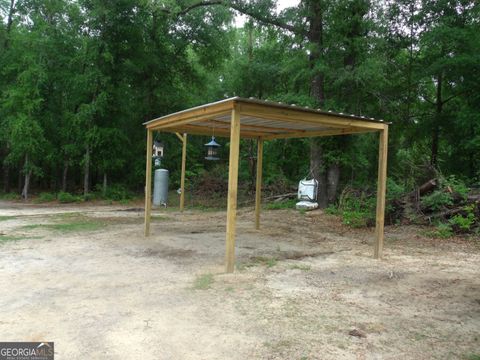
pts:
pixel 262 120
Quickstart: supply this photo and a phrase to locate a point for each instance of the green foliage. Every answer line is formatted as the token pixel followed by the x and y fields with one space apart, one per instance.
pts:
pixel 357 208
pixel 10 196
pixel 394 189
pixel 356 218
pixel 44 197
pixel 444 196
pixel 118 192
pixel 437 200
pixel 456 185
pixel 442 230
pixel 332 210
pixel 78 78
pixel 462 223
pixel 65 197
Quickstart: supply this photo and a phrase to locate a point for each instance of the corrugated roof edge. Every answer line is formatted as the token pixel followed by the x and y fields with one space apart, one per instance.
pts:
pixel 276 104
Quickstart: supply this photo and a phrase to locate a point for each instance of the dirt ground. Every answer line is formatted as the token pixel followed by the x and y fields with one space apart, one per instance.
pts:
pixel 86 278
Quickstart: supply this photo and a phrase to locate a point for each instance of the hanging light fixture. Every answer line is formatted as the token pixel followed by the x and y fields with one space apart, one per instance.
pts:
pixel 212 150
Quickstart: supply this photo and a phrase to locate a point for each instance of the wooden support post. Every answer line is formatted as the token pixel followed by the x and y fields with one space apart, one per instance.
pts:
pixel 258 186
pixel 232 191
pixel 381 190
pixel 148 183
pixel 182 179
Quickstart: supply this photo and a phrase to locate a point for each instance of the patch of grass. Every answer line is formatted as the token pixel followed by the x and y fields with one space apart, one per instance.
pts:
pixel 203 282
pixel 4 218
pixel 67 215
pixel 302 267
pixel 418 336
pixel 278 205
pixel 258 260
pixel 159 218
pixel 76 225
pixel 473 357
pixel 6 238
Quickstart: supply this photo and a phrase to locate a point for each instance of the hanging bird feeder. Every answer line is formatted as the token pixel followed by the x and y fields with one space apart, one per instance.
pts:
pixel 157 152
pixel 212 150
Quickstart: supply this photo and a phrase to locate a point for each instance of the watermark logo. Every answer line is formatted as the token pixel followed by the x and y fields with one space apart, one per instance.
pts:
pixel 26 351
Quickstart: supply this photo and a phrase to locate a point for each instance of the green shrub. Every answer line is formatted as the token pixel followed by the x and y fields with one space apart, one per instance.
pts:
pixel 437 200
pixel 89 197
pixel 332 210
pixel 444 230
pixel 394 190
pixel 65 197
pixel 10 196
pixel 46 197
pixel 117 192
pixel 357 208
pixel 462 223
pixel 456 185
pixel 356 218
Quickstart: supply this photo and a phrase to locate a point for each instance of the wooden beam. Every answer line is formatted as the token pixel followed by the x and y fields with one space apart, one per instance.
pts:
pixel 307 134
pixel 182 178
pixel 258 185
pixel 260 128
pixel 180 137
pixel 191 115
pixel 381 190
pixel 232 191
pixel 207 131
pixel 148 183
pixel 298 116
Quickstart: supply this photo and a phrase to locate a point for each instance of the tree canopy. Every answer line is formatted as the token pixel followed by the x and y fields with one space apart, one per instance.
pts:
pixel 78 79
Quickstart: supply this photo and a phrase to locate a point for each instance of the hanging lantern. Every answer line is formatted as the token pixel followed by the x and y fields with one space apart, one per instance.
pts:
pixel 212 150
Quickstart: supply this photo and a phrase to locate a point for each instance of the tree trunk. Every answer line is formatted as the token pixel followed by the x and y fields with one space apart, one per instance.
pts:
pixel 315 37
pixel 19 181
pixel 11 11
pixel 317 170
pixel 436 125
pixel 26 185
pixel 104 188
pixel 86 176
pixel 6 178
pixel 64 175
pixel 333 177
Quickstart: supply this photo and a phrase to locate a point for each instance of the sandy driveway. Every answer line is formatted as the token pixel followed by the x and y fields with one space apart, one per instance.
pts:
pixel 91 283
